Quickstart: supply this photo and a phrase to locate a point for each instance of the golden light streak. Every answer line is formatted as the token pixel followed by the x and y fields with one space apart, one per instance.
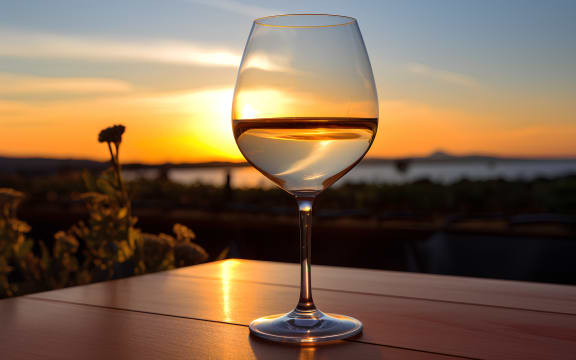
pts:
pixel 307 353
pixel 226 271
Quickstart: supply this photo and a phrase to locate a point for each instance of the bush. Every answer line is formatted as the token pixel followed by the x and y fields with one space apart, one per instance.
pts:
pixel 105 246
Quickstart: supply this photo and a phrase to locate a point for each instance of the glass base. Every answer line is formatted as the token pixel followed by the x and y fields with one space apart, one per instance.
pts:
pixel 305 327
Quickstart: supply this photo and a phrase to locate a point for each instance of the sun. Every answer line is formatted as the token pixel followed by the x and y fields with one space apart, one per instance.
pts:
pixel 263 103
pixel 198 124
pixel 210 124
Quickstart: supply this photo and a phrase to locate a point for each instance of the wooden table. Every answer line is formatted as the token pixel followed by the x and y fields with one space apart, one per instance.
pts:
pixel 203 311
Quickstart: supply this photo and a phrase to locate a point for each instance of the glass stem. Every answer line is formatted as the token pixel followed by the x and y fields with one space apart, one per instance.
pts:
pixel 305 304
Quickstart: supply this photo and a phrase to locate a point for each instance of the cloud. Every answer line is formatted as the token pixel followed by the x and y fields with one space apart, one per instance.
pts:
pixel 12 84
pixel 442 75
pixel 55 46
pixel 238 7
pixel 267 62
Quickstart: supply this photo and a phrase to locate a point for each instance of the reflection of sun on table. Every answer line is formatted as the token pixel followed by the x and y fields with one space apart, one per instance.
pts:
pixel 307 353
pixel 226 269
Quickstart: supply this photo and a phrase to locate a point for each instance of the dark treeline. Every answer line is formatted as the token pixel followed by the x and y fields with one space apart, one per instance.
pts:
pixel 423 197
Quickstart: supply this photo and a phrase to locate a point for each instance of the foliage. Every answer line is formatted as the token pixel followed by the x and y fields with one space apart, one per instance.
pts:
pixel 112 246
pixel 19 268
pixel 105 246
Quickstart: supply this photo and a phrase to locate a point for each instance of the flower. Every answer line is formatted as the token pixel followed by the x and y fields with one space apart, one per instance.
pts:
pixel 112 134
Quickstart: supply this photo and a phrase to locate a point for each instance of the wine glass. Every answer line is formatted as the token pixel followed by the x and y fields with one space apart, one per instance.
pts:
pixel 305 112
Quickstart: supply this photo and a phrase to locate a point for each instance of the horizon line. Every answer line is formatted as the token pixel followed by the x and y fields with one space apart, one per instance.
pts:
pixel 435 155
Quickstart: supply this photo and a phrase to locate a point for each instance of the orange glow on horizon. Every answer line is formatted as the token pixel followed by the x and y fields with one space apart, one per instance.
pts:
pixel 181 127
pixel 196 126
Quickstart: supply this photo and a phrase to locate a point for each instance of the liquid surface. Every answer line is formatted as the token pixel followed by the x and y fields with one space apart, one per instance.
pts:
pixel 304 154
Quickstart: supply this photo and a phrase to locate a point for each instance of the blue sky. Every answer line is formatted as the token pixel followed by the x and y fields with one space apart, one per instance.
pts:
pixel 500 64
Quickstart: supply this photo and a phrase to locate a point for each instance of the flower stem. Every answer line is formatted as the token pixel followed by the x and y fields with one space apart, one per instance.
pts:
pixel 125 200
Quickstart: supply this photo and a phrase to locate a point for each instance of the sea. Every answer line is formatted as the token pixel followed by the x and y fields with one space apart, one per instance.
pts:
pixel 367 172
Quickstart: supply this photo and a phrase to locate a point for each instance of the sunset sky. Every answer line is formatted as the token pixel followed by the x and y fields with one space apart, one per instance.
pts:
pixel 496 77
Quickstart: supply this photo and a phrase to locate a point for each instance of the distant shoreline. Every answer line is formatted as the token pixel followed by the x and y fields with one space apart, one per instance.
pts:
pixel 41 164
